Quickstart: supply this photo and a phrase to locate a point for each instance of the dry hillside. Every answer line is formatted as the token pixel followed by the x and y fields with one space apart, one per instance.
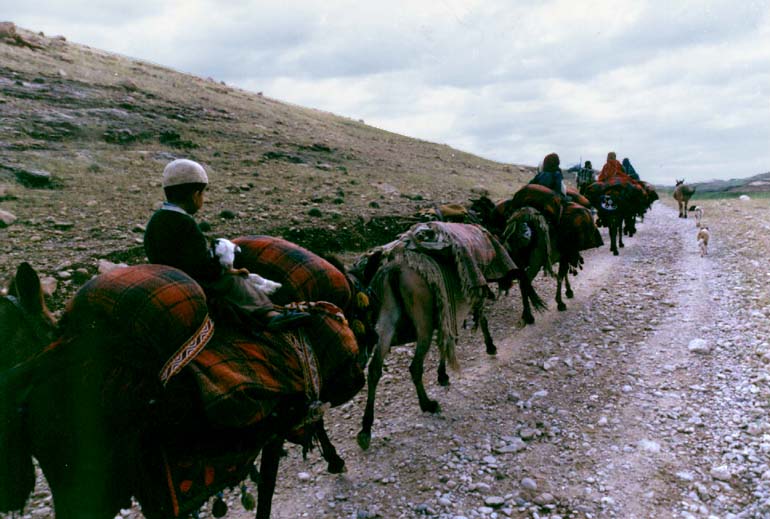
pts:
pixel 84 135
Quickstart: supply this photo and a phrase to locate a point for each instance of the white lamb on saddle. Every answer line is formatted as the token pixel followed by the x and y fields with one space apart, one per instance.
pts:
pixel 225 250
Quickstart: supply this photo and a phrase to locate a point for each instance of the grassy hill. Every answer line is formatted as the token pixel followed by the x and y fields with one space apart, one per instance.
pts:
pixel 84 136
pixel 755 185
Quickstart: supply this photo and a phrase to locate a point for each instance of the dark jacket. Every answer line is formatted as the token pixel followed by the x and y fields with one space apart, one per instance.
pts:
pixel 549 179
pixel 173 238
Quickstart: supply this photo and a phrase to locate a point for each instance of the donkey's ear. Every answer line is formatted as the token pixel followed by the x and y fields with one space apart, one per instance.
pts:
pixel 26 287
pixel 372 265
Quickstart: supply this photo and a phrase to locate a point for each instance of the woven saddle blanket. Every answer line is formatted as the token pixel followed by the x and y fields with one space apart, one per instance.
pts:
pixel 304 276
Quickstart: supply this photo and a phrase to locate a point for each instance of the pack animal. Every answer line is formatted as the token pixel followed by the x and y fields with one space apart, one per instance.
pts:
pixel 418 293
pixel 703 240
pixel 682 195
pixel 535 245
pixel 26 327
pixel 104 425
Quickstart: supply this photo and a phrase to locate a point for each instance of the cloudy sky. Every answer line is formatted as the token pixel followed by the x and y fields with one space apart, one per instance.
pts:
pixel 682 88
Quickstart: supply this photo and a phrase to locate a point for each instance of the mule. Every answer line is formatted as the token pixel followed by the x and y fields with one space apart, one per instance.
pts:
pixel 535 245
pixel 416 295
pixel 26 326
pixel 306 276
pixel 104 427
pixel 618 202
pixel 682 194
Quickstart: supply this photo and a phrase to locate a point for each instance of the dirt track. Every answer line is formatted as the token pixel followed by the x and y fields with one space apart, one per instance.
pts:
pixel 599 411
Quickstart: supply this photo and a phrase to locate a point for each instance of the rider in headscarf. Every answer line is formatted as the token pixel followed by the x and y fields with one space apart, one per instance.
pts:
pixel 551 176
pixel 612 168
pixel 629 169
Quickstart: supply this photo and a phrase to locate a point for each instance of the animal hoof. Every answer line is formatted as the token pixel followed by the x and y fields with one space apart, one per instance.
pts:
pixel 336 466
pixel 570 294
pixel 431 407
pixel 561 307
pixel 443 380
pixel 615 253
pixel 364 439
pixel 491 350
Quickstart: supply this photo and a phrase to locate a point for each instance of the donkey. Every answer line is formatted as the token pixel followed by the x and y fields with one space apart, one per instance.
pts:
pixel 417 293
pixel 536 245
pixel 26 326
pixel 682 194
pixel 104 428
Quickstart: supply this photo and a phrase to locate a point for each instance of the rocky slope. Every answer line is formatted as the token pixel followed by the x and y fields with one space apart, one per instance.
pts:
pixel 84 136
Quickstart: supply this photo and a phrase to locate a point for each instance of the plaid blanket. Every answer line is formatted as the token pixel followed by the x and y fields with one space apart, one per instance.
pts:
pixel 578 198
pixel 304 275
pixel 241 378
pixel 577 230
pixel 159 310
pixel 545 200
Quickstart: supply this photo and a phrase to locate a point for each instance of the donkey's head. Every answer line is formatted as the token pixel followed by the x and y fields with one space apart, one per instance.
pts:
pixel 26 325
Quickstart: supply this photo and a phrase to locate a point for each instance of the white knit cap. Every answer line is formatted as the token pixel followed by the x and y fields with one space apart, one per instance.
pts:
pixel 184 171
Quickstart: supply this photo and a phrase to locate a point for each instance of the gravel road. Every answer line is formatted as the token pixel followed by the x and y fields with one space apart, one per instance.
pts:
pixel 647 398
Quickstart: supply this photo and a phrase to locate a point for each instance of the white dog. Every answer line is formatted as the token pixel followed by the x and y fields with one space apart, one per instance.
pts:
pixel 703 240
pixel 698 210
pixel 225 251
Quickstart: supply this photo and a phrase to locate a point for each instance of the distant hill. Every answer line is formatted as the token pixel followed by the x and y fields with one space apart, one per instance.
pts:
pixel 84 136
pixel 756 184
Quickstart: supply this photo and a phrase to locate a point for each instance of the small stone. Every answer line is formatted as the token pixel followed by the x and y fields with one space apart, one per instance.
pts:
pixel 494 501
pixel 721 473
pixel 6 218
pixel 529 484
pixel 699 346
pixel 543 499
pixel 527 434
pixel 104 266
pixel 303 476
pixel 649 446
pixel 49 285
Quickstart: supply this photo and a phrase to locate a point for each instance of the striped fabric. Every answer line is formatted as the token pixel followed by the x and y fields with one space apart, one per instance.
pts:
pixel 304 275
pixel 577 229
pixel 545 200
pixel 159 310
pixel 241 378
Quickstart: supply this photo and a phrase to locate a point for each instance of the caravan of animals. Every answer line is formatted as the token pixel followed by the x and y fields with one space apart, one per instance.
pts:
pixel 233 384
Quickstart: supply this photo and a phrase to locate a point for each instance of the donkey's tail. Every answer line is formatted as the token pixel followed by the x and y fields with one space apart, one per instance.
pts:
pixel 17 474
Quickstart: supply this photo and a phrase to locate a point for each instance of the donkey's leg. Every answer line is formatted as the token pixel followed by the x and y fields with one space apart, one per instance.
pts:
pixel 336 464
pixel 488 342
pixel 560 277
pixel 613 236
pixel 416 370
pixel 443 378
pixel 567 287
pixel 375 373
pixel 620 232
pixel 268 469
pixel 418 303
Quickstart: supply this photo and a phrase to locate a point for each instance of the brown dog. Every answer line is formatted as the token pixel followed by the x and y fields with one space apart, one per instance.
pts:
pixel 703 240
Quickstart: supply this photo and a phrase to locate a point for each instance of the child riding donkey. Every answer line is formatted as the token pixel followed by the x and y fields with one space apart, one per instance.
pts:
pixel 173 238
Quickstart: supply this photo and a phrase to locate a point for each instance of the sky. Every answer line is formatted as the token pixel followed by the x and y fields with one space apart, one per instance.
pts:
pixel 680 87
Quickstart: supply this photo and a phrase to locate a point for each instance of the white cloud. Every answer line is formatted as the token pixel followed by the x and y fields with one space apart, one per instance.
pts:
pixel 676 87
